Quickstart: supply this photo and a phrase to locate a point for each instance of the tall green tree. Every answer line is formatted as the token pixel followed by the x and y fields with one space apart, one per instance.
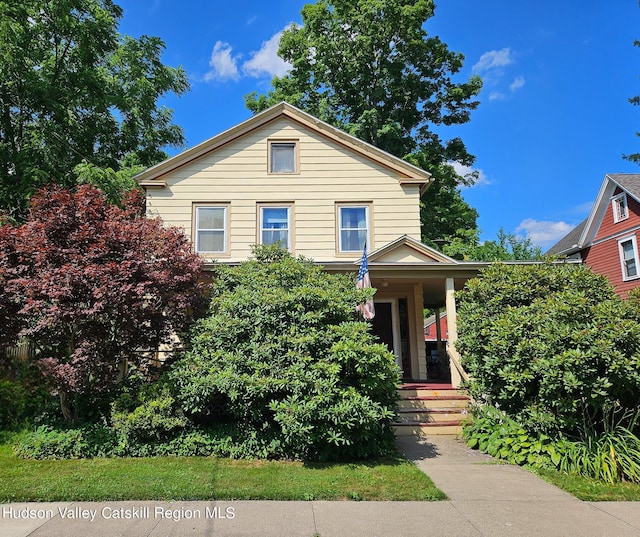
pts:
pixel 507 247
pixel 370 68
pixel 72 89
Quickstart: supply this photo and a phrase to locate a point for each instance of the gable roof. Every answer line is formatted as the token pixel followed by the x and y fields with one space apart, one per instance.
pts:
pixel 407 249
pixel 408 173
pixel 583 234
pixel 568 244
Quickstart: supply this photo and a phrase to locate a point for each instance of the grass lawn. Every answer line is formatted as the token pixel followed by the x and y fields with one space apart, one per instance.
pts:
pixel 207 478
pixel 591 490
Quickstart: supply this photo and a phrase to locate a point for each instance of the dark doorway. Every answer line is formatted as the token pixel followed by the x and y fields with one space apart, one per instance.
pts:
pixel 382 323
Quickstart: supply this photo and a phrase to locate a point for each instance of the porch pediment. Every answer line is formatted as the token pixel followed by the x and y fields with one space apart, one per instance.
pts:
pixel 406 249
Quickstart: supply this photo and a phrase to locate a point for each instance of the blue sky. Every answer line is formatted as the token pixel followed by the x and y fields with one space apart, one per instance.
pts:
pixel 554 116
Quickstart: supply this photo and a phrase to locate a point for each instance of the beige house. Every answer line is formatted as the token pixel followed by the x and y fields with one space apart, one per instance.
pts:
pixel 284 176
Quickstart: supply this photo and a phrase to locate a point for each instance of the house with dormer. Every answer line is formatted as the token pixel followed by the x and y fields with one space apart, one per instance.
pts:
pixel 607 240
pixel 284 176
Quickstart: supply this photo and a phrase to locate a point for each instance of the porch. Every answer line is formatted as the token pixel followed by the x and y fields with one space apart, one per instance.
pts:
pixel 409 277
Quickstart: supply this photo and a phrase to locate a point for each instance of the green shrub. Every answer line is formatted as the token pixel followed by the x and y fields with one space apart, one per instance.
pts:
pixel 551 345
pixel 282 354
pixel 610 456
pixel 23 395
pixel 146 416
pixel 494 432
pixel 74 443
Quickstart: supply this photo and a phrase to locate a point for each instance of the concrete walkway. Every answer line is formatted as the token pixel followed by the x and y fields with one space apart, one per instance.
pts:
pixel 485 499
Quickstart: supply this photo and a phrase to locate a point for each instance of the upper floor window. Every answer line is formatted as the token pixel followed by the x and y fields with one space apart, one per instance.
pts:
pixel 275 225
pixel 629 257
pixel 210 229
pixel 353 227
pixel 620 207
pixel 283 157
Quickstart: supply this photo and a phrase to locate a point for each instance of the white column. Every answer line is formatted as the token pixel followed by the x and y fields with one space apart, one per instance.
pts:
pixel 452 326
pixel 419 357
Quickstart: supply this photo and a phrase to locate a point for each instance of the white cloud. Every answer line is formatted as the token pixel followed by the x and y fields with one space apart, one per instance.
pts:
pixel 480 178
pixel 492 60
pixel 543 233
pixel 517 83
pixel 497 96
pixel 224 65
pixel 266 62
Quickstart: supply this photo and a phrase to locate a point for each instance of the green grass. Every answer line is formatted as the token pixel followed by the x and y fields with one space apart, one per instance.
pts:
pixel 591 490
pixel 208 478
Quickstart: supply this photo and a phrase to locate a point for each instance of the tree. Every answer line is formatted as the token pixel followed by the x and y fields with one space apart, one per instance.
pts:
pixel 551 345
pixel 98 285
pixel 283 354
pixel 369 68
pixel 9 305
pixel 635 101
pixel 507 247
pixel 73 89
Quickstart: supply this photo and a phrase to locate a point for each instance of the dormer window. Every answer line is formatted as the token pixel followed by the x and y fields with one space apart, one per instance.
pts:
pixel 620 207
pixel 283 156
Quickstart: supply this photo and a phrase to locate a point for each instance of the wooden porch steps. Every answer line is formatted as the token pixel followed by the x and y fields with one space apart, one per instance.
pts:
pixel 430 409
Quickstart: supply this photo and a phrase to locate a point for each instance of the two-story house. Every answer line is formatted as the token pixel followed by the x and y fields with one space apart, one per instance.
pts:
pixel 284 176
pixel 607 241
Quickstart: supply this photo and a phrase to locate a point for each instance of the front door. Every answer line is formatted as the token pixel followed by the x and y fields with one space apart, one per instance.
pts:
pixel 385 326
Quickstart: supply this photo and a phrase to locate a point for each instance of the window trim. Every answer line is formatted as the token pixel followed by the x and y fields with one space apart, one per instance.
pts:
pixel 615 205
pixel 289 205
pixel 368 206
pixel 623 266
pixel 296 154
pixel 225 230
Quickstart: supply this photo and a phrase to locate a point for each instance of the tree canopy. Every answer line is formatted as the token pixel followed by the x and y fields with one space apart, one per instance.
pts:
pixel 91 285
pixel 507 247
pixel 370 68
pixel 72 89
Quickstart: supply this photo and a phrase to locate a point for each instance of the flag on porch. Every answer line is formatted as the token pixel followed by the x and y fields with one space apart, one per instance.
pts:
pixel 364 282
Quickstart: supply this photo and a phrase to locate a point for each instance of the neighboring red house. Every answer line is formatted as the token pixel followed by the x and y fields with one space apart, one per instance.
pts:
pixel 607 241
pixel 435 343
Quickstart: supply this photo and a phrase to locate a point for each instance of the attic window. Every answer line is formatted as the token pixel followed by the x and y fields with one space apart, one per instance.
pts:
pixel 283 157
pixel 620 207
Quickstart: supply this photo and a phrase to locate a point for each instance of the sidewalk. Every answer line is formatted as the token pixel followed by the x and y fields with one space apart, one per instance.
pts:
pixel 485 499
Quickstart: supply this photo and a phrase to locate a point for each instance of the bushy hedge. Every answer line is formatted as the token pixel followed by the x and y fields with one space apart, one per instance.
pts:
pixel 550 345
pixel 281 368
pixel 283 354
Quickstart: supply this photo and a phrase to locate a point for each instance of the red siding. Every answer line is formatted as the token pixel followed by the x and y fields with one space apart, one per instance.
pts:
pixel 609 227
pixel 430 333
pixel 604 258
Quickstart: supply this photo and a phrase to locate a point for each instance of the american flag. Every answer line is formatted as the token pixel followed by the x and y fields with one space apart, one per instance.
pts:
pixel 364 282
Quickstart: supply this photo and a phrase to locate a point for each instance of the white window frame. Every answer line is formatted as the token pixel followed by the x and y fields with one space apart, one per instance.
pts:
pixel 262 229
pixel 296 153
pixel 620 207
pixel 367 208
pixel 197 229
pixel 623 265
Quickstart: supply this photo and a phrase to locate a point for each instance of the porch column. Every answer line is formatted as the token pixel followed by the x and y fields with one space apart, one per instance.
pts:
pixel 452 324
pixel 420 364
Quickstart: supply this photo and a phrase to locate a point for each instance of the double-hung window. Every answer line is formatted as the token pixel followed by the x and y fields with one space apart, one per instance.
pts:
pixel 275 225
pixel 211 229
pixel 620 207
pixel 353 227
pixel 629 257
